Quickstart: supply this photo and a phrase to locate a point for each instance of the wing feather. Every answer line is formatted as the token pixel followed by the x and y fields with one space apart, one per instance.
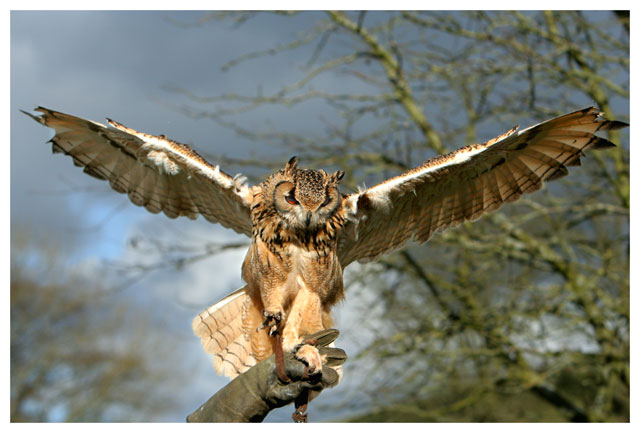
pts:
pixel 494 198
pixel 221 330
pixel 463 185
pixel 160 174
pixel 120 182
pixel 176 205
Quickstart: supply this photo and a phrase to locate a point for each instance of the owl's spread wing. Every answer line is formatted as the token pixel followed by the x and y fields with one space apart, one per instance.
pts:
pixel 460 186
pixel 155 172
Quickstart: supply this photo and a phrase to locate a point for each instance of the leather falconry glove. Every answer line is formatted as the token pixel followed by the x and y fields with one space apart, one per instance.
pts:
pixel 253 394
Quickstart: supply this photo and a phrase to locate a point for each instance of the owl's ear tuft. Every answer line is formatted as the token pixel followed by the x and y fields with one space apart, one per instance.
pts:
pixel 290 168
pixel 337 176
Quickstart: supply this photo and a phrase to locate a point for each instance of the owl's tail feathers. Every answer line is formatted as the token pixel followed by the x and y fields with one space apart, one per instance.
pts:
pixel 221 330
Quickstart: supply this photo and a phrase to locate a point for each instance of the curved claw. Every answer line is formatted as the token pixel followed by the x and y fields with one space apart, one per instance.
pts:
pixel 310 356
pixel 271 321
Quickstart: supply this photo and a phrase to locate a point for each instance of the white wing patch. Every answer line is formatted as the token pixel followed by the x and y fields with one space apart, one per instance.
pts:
pixel 458 157
pixel 164 164
pixel 378 195
pixel 163 150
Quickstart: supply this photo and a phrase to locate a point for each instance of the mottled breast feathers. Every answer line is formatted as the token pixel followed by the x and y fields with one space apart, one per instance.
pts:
pixel 302 206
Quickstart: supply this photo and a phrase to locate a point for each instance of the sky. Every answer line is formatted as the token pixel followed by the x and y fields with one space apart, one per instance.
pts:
pixel 119 65
pixel 93 65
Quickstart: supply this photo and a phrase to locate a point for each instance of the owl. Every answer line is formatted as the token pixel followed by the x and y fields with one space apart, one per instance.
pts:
pixel 303 230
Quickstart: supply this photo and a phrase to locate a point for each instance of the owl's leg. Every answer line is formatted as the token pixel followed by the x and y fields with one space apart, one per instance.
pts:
pixel 304 318
pixel 273 312
pixel 261 345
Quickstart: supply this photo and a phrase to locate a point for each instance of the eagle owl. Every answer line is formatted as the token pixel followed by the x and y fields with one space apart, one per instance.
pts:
pixel 292 269
pixel 304 231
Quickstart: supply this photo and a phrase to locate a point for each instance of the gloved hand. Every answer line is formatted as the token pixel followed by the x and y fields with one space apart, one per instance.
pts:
pixel 253 394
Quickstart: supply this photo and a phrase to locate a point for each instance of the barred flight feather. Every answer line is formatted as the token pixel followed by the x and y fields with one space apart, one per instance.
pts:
pixel 220 328
pixel 461 186
pixel 140 165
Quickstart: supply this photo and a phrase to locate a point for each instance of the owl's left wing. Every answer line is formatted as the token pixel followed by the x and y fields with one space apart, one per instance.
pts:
pixel 155 172
pixel 460 186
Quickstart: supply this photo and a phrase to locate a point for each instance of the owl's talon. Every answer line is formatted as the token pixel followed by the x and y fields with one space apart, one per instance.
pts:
pixel 310 356
pixel 271 321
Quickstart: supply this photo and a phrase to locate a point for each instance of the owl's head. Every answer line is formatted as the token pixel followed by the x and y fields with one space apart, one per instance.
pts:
pixel 306 198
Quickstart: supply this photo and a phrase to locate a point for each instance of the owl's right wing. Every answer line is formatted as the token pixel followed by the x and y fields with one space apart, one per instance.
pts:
pixel 461 186
pixel 155 172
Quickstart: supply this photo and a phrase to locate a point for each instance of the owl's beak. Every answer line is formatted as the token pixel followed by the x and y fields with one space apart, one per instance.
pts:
pixel 308 220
